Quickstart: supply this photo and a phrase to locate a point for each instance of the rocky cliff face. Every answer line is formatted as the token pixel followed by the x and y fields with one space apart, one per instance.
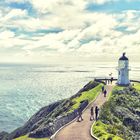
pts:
pixel 32 123
pixel 50 118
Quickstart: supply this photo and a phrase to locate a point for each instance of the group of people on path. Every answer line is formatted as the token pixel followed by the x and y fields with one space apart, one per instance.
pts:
pixel 109 81
pixel 92 111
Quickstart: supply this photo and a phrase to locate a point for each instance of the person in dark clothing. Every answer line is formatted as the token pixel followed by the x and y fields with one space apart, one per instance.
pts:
pixel 91 113
pixel 96 112
pixel 79 115
pixel 103 88
pixel 105 92
pixel 111 80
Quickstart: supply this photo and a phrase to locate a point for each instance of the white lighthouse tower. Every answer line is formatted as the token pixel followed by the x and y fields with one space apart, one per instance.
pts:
pixel 123 71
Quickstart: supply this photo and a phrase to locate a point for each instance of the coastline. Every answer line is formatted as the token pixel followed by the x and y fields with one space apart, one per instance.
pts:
pixel 54 115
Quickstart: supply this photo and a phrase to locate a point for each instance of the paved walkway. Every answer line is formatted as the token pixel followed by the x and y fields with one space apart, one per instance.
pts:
pixel 81 130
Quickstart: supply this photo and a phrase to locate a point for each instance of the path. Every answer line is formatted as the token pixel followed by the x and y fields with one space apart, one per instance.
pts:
pixel 81 130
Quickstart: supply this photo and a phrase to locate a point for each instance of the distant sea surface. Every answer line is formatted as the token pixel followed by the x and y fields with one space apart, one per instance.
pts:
pixel 24 89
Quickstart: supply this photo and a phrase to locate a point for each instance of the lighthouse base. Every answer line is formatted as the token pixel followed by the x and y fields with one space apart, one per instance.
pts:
pixel 122 84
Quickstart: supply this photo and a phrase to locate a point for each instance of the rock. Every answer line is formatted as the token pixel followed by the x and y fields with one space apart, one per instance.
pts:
pixel 128 121
pixel 138 112
pixel 51 128
pixel 3 134
pixel 41 133
pixel 89 86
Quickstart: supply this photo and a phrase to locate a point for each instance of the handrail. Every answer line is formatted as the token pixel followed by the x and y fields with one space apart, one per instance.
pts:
pixel 115 79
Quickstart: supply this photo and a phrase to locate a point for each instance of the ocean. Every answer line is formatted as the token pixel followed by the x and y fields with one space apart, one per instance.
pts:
pixel 25 88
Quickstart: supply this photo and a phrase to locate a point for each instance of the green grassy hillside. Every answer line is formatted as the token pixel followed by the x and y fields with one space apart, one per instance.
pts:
pixel 120 117
pixel 86 95
pixel 137 86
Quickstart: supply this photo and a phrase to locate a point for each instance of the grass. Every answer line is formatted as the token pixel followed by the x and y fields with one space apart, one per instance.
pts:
pixel 87 95
pixel 101 131
pixel 118 87
pixel 136 86
pixel 115 88
pixel 27 138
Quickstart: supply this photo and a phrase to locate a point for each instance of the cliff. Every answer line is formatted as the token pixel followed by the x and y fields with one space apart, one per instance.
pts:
pixel 52 117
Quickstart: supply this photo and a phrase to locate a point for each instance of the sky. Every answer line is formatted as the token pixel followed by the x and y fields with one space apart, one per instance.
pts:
pixel 33 31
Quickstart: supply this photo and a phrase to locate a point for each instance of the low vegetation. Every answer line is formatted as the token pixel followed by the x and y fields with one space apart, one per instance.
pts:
pixel 120 117
pixel 105 131
pixel 86 95
pixel 115 88
pixel 27 138
pixel 137 86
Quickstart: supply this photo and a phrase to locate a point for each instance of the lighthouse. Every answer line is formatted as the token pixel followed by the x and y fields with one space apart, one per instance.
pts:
pixel 123 71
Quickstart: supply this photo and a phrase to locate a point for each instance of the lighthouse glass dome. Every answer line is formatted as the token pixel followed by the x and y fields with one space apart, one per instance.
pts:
pixel 123 71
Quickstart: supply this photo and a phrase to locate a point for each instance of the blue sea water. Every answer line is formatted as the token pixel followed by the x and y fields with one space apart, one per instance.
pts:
pixel 25 88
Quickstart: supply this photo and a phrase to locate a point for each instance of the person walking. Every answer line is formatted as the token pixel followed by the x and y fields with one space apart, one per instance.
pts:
pixel 103 88
pixel 111 80
pixel 96 112
pixel 105 92
pixel 79 115
pixel 92 113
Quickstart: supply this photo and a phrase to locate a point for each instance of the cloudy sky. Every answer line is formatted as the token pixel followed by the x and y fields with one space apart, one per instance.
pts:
pixel 68 30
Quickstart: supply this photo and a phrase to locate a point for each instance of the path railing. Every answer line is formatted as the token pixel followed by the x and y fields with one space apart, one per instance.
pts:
pixel 114 79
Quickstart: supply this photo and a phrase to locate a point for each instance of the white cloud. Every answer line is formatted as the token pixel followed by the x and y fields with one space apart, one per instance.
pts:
pixel 83 32
pixel 10 17
pixel 53 41
pixel 16 13
pixel 59 5
pixel 6 35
